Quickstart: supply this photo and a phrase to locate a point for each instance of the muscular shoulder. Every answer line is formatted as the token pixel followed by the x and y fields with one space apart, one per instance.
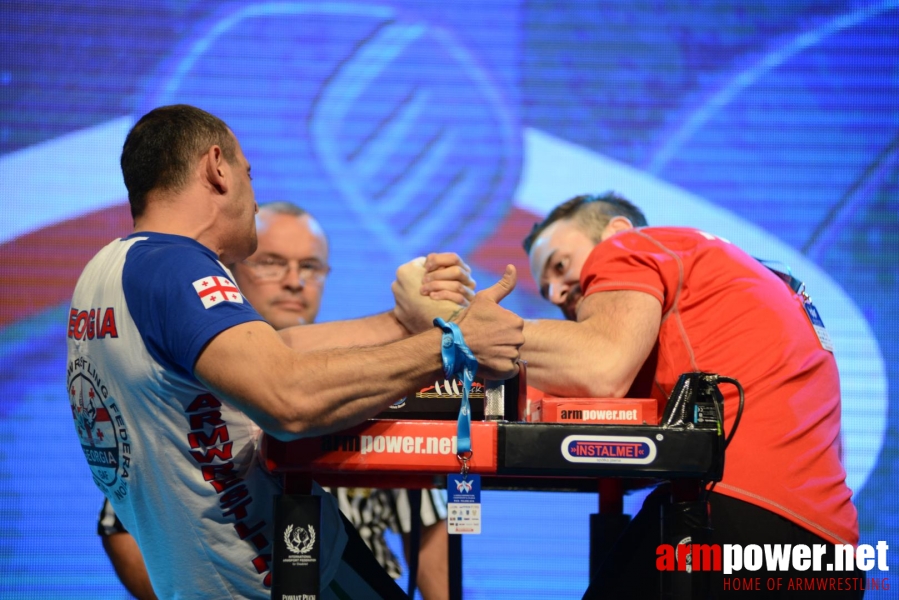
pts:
pixel 656 261
pixel 180 296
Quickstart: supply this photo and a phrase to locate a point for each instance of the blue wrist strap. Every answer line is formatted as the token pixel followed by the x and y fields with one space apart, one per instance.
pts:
pixel 457 358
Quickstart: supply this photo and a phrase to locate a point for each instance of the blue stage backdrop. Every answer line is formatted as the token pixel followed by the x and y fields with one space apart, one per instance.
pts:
pixel 409 126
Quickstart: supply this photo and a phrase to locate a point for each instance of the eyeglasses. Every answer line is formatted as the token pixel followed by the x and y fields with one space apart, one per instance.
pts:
pixel 274 268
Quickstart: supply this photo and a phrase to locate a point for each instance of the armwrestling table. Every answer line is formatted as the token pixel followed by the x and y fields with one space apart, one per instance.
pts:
pixel 417 454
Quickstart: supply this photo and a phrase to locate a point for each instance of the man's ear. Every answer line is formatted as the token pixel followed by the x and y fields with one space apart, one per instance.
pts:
pixel 620 223
pixel 215 169
pixel 616 225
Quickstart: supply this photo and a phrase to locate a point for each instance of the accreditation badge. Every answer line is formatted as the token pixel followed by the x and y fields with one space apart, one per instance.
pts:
pixel 818 325
pixel 463 511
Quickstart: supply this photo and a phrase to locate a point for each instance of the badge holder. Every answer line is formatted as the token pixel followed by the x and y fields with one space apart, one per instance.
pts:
pixel 817 324
pixel 463 489
pixel 810 311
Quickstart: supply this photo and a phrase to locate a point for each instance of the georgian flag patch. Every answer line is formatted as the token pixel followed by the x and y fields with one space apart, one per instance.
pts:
pixel 217 290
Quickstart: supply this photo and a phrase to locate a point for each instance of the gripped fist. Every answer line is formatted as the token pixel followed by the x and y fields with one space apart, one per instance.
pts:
pixel 493 333
pixel 438 285
pixel 447 277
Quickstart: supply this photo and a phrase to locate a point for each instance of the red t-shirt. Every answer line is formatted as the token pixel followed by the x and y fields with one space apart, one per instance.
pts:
pixel 724 312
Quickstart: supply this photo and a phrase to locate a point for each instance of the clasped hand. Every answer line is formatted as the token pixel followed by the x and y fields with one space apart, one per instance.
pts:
pixel 436 285
pixel 440 285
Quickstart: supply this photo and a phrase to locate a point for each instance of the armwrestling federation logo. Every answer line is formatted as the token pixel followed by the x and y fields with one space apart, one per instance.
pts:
pixel 101 427
pixel 299 540
pixel 463 486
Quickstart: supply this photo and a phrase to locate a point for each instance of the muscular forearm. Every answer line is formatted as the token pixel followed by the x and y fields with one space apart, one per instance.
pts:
pixel 566 359
pixel 377 329
pixel 293 394
pixel 599 355
pixel 358 383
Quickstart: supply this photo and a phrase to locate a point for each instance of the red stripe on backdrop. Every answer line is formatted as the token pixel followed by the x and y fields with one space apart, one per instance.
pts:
pixel 504 247
pixel 40 269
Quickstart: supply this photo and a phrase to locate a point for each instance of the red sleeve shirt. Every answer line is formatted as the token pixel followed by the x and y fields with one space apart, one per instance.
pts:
pixel 724 312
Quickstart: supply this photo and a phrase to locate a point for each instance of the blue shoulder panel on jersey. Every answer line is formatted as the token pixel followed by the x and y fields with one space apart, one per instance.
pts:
pixel 180 297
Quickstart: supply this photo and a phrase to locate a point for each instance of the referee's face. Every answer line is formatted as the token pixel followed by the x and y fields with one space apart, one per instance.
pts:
pixel 284 279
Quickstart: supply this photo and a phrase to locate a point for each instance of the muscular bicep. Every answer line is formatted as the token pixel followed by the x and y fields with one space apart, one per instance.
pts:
pixel 245 364
pixel 625 325
pixel 292 394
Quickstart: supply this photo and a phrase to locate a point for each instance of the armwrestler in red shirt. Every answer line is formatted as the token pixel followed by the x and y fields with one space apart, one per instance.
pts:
pixel 645 304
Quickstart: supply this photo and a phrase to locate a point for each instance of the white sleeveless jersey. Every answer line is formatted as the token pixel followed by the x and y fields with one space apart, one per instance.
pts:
pixel 179 466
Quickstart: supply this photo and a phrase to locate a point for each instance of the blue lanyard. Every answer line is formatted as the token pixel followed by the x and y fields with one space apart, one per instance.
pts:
pixel 457 357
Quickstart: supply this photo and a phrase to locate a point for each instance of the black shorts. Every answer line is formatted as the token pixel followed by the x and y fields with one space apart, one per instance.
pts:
pixel 108 523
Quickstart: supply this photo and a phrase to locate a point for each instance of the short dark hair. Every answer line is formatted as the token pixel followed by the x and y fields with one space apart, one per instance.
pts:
pixel 591 212
pixel 161 148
